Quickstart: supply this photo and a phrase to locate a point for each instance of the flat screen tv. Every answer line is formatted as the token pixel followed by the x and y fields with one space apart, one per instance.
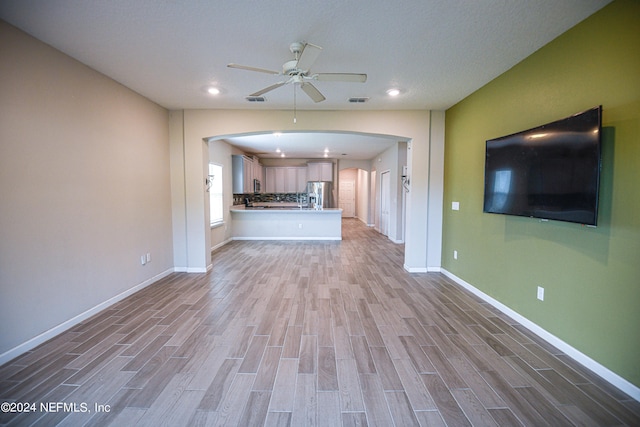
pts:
pixel 548 172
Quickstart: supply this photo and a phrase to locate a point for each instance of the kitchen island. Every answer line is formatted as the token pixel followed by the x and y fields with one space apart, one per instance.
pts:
pixel 285 223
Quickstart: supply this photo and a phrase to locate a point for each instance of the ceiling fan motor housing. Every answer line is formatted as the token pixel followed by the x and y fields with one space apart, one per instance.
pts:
pixel 289 68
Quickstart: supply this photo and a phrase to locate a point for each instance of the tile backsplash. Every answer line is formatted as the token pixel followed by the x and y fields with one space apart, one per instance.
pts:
pixel 239 199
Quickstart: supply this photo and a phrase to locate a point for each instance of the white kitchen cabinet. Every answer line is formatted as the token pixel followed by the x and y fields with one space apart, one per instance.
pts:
pixel 269 180
pixel 285 179
pixel 258 172
pixel 320 171
pixel 281 178
pixel 290 180
pixel 274 178
pixel 301 179
pixel 248 175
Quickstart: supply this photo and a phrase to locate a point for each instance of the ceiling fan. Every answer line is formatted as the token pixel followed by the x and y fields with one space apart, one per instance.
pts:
pixel 297 71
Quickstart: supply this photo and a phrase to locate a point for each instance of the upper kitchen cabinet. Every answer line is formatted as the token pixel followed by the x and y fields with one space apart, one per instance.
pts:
pixel 320 171
pixel 296 180
pixel 285 179
pixel 245 172
pixel 258 171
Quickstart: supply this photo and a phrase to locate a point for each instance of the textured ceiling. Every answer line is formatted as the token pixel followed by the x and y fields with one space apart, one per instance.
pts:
pixel 435 51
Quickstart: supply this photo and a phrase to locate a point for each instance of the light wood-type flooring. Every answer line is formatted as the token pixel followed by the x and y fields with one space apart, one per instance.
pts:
pixel 303 334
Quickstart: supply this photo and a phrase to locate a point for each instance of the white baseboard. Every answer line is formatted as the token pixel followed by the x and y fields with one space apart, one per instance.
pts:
pixel 422 269
pixel 221 244
pixel 362 220
pixel 595 367
pixel 56 330
pixel 415 269
pixel 191 269
pixel 196 270
pixel 287 238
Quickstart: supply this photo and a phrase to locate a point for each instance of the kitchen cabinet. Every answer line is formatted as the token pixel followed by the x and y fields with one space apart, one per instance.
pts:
pixel 258 170
pixel 244 170
pixel 274 180
pixel 291 180
pixel 242 174
pixel 301 179
pixel 285 179
pixel 319 171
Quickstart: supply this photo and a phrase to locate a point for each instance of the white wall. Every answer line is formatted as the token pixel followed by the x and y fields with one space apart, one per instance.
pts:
pixel 388 161
pixel 84 191
pixel 436 191
pixel 362 197
pixel 220 152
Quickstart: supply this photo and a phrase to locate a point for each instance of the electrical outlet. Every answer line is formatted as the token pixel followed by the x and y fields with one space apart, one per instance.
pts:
pixel 299 225
pixel 455 254
pixel 455 206
pixel 540 293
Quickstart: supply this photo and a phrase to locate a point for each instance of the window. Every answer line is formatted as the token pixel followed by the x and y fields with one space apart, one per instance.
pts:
pixel 215 194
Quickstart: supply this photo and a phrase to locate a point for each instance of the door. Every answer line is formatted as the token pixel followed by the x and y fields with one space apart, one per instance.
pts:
pixel 385 202
pixel 374 196
pixel 347 195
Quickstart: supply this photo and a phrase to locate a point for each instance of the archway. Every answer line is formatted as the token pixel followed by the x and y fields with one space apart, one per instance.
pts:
pixel 191 129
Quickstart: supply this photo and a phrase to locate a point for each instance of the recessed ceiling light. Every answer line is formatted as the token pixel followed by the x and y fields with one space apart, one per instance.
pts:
pixel 277 150
pixel 282 155
pixel 277 134
pixel 326 150
pixel 326 154
pixel 393 92
pixel 213 91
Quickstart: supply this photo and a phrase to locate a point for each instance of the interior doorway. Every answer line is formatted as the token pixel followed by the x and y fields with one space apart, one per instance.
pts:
pixel 347 196
pixel 375 201
pixel 385 202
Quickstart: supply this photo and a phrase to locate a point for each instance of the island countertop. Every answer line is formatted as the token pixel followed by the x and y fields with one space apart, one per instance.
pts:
pixel 282 209
pixel 285 223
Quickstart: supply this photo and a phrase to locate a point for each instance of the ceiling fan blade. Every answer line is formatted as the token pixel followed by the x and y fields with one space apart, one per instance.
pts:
pixel 340 77
pixel 268 89
pixel 260 70
pixel 313 93
pixel 308 56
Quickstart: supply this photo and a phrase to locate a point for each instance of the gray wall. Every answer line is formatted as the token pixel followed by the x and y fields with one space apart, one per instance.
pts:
pixel 84 192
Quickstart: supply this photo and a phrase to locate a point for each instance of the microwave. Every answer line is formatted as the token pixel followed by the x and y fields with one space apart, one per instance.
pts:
pixel 256 186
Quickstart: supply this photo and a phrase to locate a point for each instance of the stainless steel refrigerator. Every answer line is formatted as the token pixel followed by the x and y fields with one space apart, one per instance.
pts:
pixel 320 194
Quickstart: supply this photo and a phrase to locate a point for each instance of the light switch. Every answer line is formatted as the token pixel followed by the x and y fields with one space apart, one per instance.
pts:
pixel 455 206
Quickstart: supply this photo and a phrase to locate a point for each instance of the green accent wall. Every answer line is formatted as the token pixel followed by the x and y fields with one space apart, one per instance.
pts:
pixel 591 276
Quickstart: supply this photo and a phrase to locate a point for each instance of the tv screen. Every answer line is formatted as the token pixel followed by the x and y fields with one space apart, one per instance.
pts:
pixel 549 172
